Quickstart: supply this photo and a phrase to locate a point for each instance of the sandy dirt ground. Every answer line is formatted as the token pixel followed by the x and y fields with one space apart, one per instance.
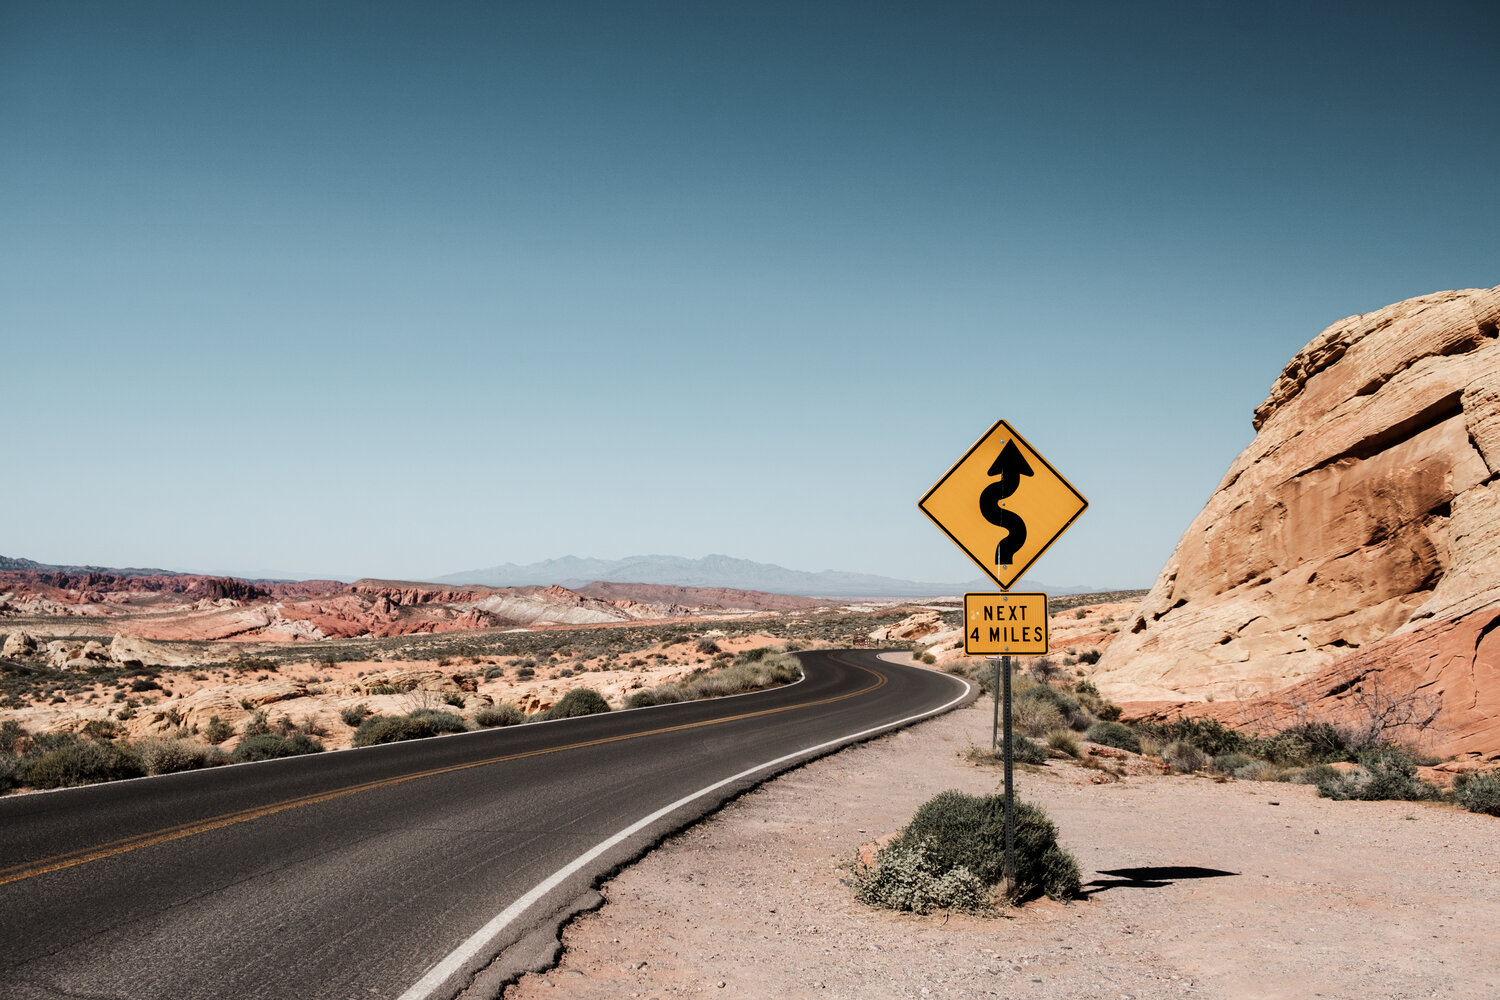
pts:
pixel 1252 890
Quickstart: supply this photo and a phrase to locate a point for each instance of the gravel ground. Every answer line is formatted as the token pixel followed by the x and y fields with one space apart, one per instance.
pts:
pixel 1260 891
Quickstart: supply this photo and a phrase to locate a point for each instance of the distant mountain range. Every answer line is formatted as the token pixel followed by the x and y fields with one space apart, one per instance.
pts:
pixel 714 571
pixel 13 564
pixel 573 572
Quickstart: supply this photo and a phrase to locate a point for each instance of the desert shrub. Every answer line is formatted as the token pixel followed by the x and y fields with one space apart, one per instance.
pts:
pixel 422 723
pixel 82 762
pixel 707 646
pixel 929 659
pixel 12 773
pixel 1036 716
pixel 1065 703
pixel 126 712
pixel 1094 703
pixel 259 724
pixel 1043 668
pixel 170 756
pixel 525 673
pixel 1185 756
pixel 664 694
pixel 1064 741
pixel 968 831
pixel 1023 750
pixel 1287 748
pixel 217 730
pixel 453 699
pixel 1090 656
pixel 1114 734
pixel 1228 763
pixel 12 736
pixel 1209 735
pixel 494 672
pixel 577 702
pixel 1324 742
pixel 908 878
pixel 1382 775
pixel 503 714
pixel 353 715
pixel 1257 770
pixel 981 672
pixel 752 670
pixel 1026 751
pixel 1072 711
pixel 267 746
pixel 102 729
pixel 1478 793
pixel 1315 775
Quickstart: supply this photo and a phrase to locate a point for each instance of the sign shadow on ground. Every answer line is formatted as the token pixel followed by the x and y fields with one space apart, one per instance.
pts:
pixel 1152 877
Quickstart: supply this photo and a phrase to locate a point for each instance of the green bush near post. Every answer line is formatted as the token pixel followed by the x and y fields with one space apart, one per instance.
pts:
pixel 956 840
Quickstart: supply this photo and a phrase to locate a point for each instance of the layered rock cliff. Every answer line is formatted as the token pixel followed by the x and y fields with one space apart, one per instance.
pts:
pixel 1359 532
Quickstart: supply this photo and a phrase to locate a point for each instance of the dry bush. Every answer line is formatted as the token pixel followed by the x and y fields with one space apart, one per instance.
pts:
pixel 1035 717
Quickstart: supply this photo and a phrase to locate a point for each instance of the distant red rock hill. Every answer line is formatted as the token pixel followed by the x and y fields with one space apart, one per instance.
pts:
pixel 175 606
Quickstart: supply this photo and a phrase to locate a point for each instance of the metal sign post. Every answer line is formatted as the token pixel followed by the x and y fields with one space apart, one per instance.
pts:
pixel 995 690
pixel 1010 789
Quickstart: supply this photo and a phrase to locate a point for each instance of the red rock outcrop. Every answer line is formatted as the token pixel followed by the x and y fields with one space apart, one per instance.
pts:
pixel 1360 530
pixel 78 587
pixel 409 594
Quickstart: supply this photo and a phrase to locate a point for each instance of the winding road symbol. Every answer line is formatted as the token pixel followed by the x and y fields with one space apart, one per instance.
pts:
pixel 1010 465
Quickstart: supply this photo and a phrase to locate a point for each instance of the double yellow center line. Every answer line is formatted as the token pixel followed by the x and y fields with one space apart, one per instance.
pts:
pixel 83 856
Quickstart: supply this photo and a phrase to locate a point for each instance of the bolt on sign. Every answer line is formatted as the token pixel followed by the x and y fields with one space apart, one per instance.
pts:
pixel 1003 504
pixel 1000 624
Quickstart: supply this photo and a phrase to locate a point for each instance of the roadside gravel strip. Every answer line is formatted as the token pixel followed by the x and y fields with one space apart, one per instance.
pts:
pixel 1236 890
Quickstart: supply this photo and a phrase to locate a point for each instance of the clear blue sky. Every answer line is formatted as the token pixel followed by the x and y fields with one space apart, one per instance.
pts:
pixel 406 289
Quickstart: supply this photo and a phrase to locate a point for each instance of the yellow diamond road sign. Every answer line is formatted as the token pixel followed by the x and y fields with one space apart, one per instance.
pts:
pixel 1003 504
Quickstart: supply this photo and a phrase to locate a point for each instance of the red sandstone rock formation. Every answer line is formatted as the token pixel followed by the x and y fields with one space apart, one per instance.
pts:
pixel 1360 531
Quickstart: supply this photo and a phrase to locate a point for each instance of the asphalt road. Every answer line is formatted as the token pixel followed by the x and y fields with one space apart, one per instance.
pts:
pixel 395 871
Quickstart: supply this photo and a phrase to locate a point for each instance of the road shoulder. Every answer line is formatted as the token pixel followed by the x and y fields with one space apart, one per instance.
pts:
pixel 1332 898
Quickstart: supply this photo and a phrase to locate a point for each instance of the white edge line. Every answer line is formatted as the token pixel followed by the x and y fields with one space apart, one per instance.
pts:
pixel 466 952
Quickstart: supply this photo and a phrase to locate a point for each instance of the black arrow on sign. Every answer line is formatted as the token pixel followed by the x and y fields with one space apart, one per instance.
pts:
pixel 1010 465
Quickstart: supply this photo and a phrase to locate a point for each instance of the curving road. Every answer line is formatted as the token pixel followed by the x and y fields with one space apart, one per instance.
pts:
pixel 397 871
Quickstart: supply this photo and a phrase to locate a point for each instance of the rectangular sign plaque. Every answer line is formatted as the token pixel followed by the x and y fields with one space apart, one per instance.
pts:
pixel 1005 624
